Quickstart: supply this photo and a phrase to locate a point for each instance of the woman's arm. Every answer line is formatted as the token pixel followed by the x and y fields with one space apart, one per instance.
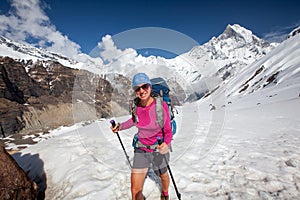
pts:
pixel 127 124
pixel 124 125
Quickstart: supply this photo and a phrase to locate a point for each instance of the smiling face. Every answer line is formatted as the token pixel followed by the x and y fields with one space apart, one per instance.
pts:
pixel 143 92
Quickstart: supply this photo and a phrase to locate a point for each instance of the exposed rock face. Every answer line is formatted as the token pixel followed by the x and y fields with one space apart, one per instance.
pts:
pixel 36 97
pixel 14 183
pixel 10 112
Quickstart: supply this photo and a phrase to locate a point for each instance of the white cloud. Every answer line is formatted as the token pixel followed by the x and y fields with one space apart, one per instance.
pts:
pixel 27 20
pixel 114 57
pixel 108 50
pixel 128 61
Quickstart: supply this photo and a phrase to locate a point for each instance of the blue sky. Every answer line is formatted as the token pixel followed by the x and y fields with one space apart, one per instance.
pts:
pixel 86 22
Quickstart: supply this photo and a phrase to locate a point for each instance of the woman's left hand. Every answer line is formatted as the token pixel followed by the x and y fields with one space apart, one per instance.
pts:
pixel 163 148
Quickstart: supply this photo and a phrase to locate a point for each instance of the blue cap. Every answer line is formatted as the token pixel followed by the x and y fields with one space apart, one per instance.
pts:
pixel 140 78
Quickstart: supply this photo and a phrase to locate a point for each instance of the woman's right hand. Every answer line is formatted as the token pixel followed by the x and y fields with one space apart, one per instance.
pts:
pixel 116 128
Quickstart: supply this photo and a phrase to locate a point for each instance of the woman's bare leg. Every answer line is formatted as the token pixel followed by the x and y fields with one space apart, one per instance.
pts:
pixel 165 181
pixel 137 183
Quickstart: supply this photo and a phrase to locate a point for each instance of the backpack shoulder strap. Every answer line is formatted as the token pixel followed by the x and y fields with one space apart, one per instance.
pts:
pixel 134 104
pixel 159 111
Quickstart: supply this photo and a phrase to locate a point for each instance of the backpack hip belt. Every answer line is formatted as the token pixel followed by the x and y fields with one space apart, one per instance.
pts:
pixel 150 147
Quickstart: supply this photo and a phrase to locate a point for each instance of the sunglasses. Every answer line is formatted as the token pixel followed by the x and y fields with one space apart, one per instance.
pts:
pixel 144 87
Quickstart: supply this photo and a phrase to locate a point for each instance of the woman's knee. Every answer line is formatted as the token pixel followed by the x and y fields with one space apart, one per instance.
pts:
pixel 138 196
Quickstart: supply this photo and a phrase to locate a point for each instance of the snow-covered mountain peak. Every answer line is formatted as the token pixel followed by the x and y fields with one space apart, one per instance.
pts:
pixel 223 56
pixel 237 31
pixel 235 43
pixel 236 36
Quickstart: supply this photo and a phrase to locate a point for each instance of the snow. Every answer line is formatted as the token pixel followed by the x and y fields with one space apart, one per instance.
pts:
pixel 247 148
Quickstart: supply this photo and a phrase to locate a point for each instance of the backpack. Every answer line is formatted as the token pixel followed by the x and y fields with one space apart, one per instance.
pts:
pixel 160 91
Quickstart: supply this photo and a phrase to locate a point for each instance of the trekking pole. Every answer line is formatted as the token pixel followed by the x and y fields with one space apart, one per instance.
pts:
pixel 113 123
pixel 160 141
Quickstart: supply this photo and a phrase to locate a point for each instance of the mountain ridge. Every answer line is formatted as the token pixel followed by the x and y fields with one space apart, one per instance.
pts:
pixel 203 70
pixel 220 58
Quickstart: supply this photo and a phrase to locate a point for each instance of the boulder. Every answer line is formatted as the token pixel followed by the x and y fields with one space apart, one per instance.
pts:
pixel 14 182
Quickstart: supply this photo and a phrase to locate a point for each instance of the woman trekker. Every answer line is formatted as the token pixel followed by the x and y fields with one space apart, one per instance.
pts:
pixel 150 153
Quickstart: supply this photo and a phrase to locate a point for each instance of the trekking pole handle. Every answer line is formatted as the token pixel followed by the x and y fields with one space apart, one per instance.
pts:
pixel 113 123
pixel 159 140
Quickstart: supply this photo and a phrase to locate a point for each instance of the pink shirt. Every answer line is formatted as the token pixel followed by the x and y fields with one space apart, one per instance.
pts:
pixel 148 128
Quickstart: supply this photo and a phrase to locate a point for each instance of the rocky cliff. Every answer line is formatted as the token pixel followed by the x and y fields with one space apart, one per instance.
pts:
pixel 38 96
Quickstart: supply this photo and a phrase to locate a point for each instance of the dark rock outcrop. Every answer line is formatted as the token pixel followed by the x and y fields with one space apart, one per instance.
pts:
pixel 38 96
pixel 14 182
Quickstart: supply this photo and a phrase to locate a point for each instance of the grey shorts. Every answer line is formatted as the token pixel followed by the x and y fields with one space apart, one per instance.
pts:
pixel 157 161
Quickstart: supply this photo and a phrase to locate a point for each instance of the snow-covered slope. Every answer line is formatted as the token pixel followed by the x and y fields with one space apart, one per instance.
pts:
pixel 246 149
pixel 254 155
pixel 294 32
pixel 279 68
